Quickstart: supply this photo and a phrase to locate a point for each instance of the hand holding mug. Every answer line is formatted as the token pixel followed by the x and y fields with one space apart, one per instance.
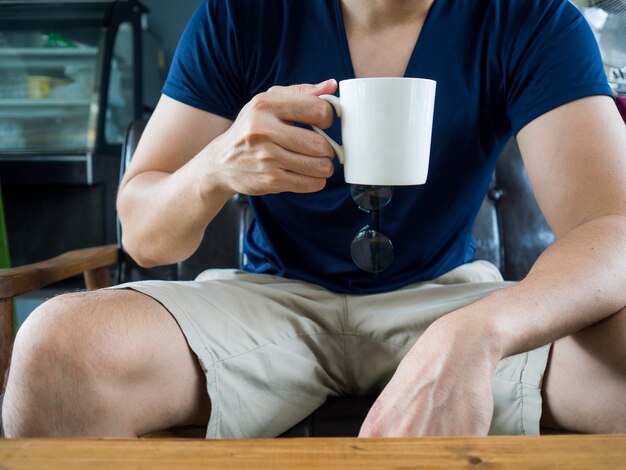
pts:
pixel 263 153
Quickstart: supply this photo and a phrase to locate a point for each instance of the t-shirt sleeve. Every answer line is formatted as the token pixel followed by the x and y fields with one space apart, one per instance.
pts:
pixel 553 59
pixel 206 70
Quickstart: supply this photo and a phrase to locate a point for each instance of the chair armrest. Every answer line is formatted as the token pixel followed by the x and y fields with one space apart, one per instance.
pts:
pixel 90 261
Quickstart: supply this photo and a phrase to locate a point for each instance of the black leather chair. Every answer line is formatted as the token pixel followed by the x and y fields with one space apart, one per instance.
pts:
pixel 510 232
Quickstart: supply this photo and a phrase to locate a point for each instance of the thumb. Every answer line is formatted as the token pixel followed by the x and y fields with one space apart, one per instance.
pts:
pixel 326 87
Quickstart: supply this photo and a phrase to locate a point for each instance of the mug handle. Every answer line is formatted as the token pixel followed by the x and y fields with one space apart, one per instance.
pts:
pixel 334 101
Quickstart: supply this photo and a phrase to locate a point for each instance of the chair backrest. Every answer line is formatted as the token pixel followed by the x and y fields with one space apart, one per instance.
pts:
pixel 510 230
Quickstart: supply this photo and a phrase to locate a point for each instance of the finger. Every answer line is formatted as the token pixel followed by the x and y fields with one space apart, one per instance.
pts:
pixel 305 109
pixel 316 89
pixel 302 141
pixel 293 108
pixel 298 183
pixel 304 165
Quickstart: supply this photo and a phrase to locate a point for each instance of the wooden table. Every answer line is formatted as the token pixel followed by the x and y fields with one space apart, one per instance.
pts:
pixel 559 452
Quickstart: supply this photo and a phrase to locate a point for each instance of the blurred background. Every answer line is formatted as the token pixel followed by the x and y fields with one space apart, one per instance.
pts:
pixel 607 19
pixel 73 74
pixel 166 22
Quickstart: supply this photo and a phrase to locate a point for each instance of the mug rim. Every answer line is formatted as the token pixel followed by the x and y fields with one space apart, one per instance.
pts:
pixel 370 79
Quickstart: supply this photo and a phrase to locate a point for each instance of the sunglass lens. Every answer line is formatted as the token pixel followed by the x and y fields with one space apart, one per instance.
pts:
pixel 371 198
pixel 371 250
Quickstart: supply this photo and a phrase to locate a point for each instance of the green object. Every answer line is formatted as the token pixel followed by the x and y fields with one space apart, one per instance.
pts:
pixel 5 260
pixel 58 40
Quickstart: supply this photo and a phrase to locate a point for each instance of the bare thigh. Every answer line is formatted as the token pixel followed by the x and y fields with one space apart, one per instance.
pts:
pixel 110 362
pixel 585 382
pixel 173 392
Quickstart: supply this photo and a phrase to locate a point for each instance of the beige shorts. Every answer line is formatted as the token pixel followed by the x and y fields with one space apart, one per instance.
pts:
pixel 274 349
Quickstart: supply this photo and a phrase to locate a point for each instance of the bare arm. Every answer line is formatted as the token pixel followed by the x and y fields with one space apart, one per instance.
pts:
pixel 161 180
pixel 576 159
pixel 190 162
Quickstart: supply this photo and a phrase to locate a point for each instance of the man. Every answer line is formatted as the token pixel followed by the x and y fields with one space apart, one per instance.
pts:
pixel 455 350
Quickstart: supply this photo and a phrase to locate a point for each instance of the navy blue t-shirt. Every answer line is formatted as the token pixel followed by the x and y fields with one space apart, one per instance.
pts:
pixel 499 64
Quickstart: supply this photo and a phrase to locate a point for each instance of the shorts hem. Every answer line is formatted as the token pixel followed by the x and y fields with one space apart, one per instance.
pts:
pixel 531 380
pixel 197 345
pixel 517 393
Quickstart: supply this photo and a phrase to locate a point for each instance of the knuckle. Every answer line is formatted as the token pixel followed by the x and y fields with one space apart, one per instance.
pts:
pixel 317 184
pixel 265 157
pixel 320 111
pixel 254 132
pixel 302 89
pixel 328 167
pixel 261 164
pixel 261 102
pixel 251 137
pixel 321 145
pixel 328 117
pixel 272 181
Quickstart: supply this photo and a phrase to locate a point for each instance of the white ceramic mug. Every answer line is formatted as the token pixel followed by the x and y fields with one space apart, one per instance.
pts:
pixel 386 125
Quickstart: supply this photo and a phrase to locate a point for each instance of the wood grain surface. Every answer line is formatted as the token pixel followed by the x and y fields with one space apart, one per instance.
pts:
pixel 559 452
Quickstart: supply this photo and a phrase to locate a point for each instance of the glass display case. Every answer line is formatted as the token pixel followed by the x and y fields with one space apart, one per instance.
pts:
pixel 70 83
pixel 70 75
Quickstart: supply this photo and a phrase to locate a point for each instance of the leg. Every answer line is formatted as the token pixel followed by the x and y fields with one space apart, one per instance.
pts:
pixel 585 382
pixel 104 363
pixel 270 347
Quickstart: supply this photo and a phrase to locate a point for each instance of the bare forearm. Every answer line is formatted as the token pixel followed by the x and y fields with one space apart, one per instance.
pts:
pixel 169 200
pixel 164 215
pixel 577 282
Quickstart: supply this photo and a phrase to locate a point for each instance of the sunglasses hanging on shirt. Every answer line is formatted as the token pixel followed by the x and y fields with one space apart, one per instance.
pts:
pixel 371 250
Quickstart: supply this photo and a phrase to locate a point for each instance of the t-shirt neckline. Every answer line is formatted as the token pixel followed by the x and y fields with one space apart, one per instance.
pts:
pixel 417 47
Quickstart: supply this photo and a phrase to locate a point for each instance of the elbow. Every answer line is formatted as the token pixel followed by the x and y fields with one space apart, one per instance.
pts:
pixel 150 251
pixel 138 252
pixel 136 243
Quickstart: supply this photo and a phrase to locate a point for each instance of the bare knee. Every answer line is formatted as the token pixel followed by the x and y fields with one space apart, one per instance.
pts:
pixel 585 384
pixel 59 370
